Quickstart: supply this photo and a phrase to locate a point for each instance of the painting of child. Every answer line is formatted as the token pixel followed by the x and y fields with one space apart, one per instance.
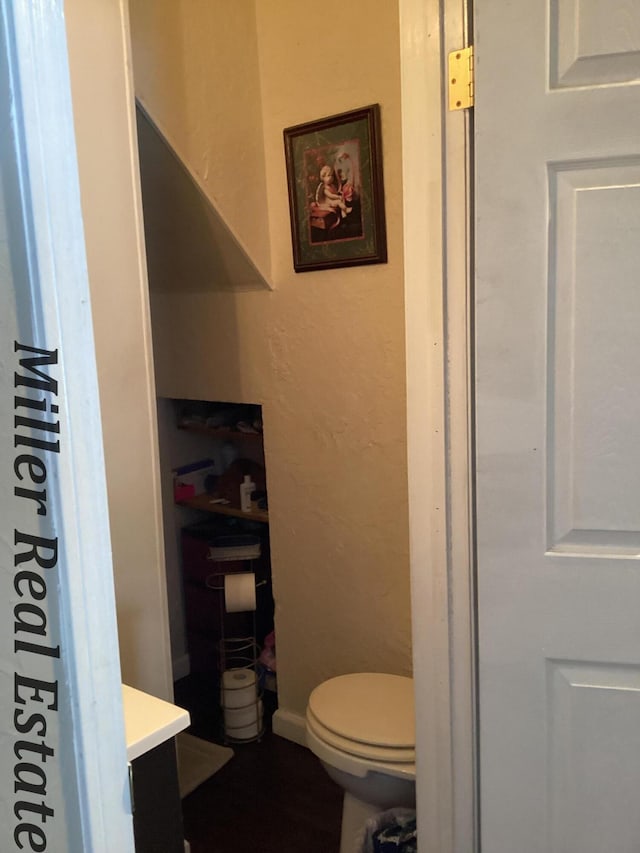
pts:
pixel 336 193
pixel 334 209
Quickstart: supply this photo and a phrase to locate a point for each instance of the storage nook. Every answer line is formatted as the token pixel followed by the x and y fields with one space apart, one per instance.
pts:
pixel 220 520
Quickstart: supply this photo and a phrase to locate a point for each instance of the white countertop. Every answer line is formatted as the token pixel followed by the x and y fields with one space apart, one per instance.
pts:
pixel 149 721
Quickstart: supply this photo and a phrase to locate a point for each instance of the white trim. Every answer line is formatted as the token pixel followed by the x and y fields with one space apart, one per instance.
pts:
pixel 56 297
pixel 458 405
pixel 159 574
pixel 290 725
pixel 104 120
pixel 437 328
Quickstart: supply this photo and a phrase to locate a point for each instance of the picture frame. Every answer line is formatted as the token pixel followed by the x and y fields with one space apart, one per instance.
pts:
pixel 336 191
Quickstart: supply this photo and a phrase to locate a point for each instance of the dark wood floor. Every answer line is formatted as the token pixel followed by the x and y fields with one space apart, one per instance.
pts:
pixel 272 797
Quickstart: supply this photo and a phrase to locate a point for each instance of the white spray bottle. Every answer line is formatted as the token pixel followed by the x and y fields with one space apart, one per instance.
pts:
pixel 247 487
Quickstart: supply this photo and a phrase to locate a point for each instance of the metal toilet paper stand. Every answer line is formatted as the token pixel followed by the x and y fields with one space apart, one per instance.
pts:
pixel 240 694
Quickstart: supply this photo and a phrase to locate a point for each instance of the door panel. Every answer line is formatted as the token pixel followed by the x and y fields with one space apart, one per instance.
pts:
pixel 593 490
pixel 592 770
pixel 594 42
pixel 557 230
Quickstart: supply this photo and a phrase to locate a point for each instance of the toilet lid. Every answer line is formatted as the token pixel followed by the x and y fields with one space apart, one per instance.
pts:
pixel 367 707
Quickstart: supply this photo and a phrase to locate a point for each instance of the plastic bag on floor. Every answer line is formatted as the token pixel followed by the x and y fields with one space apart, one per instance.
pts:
pixel 393 831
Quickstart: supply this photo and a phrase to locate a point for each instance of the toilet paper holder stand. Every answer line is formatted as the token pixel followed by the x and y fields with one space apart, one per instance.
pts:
pixel 210 581
pixel 244 721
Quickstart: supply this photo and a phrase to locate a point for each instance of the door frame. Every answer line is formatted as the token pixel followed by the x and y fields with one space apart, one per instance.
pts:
pixel 439 407
pixel 52 298
pixel 437 170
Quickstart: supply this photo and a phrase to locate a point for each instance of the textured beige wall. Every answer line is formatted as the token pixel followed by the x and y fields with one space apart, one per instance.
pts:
pixel 323 353
pixel 196 72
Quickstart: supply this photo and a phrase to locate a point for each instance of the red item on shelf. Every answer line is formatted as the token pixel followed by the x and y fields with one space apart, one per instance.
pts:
pixel 183 491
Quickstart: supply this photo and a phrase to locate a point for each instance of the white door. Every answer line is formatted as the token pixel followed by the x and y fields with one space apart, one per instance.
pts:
pixel 557 146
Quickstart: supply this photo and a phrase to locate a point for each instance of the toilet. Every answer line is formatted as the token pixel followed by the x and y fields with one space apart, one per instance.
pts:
pixel 362 728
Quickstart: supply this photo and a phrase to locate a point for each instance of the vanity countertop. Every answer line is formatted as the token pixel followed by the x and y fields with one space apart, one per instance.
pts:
pixel 149 721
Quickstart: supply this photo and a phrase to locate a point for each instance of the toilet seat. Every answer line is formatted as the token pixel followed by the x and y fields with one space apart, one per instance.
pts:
pixel 401 755
pixel 353 764
pixel 364 722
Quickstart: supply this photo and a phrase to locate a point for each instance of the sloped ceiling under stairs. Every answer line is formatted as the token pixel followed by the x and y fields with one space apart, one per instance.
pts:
pixel 190 247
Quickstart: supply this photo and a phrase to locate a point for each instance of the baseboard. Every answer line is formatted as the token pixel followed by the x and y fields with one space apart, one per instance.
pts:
pixel 181 667
pixel 289 725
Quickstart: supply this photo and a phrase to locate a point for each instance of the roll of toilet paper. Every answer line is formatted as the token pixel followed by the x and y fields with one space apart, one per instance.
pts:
pixel 238 718
pixel 243 723
pixel 240 592
pixel 239 688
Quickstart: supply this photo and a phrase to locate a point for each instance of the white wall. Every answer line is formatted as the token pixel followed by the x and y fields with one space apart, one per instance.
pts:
pixel 107 155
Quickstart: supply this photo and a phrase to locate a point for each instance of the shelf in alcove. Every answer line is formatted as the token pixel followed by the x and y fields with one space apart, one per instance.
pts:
pixel 222 433
pixel 204 504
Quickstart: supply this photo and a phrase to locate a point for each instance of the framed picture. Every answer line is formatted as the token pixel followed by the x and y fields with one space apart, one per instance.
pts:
pixel 336 195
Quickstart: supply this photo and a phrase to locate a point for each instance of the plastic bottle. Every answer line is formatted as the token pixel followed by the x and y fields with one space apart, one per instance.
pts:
pixel 247 486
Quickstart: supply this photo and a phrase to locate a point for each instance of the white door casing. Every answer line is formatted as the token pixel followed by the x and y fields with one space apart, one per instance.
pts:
pixel 99 56
pixel 436 266
pixel 62 738
pixel 557 219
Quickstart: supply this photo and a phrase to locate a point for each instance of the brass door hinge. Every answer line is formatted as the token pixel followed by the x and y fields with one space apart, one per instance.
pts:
pixel 461 78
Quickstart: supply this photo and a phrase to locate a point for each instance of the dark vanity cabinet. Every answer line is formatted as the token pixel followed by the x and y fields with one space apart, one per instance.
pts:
pixel 157 808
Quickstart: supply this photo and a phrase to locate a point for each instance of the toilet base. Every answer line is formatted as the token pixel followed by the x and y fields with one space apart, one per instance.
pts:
pixel 355 814
pixel 385 791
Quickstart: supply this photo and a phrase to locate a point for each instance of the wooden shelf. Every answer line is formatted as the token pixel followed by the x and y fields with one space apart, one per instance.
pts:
pixel 204 504
pixel 221 433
